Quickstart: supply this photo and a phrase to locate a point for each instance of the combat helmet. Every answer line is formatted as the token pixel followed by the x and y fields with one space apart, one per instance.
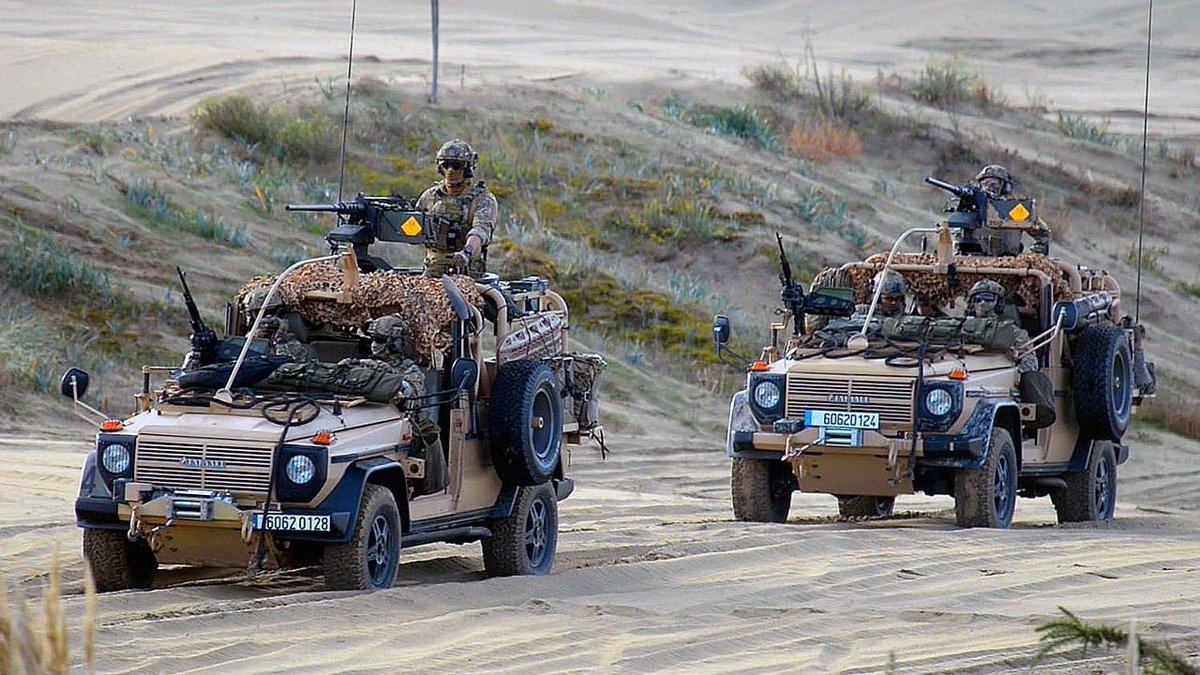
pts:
pixel 996 171
pixel 457 150
pixel 893 285
pixel 991 295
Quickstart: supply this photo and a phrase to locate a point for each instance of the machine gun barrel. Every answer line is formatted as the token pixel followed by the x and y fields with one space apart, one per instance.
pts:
pixel 204 340
pixel 340 207
pixel 956 190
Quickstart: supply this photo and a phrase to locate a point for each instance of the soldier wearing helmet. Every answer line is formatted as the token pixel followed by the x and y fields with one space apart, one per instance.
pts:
pixel 986 300
pixel 893 296
pixel 997 182
pixel 470 213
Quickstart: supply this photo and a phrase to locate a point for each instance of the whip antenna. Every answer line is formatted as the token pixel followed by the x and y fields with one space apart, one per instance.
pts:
pixel 346 114
pixel 1137 311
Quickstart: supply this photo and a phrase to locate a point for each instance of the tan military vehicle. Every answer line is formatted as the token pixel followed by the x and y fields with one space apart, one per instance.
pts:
pixel 865 408
pixel 348 458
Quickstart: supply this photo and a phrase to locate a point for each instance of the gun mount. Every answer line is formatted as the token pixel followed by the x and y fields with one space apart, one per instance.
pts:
pixel 971 211
pixel 366 220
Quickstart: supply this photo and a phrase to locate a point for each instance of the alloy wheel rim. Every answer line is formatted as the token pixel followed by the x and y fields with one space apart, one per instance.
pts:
pixel 378 555
pixel 535 533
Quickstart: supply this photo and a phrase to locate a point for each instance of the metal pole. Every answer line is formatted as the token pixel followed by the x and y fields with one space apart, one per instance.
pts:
pixel 433 97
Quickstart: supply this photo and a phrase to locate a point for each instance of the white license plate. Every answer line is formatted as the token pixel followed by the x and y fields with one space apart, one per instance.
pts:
pixel 844 420
pixel 292 522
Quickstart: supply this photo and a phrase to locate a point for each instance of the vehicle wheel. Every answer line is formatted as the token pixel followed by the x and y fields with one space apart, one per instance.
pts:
pixel 1090 495
pixel 524 543
pixel 866 506
pixel 761 489
pixel 526 423
pixel 117 563
pixel 987 496
pixel 1102 383
pixel 370 559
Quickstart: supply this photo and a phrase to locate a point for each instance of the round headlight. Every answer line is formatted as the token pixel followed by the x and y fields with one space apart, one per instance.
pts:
pixel 766 395
pixel 115 458
pixel 938 402
pixel 300 469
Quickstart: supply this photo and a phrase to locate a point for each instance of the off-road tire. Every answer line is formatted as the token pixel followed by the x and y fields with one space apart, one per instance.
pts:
pixel 370 559
pixel 987 496
pixel 1090 495
pixel 1102 383
pixel 865 506
pixel 526 422
pixel 117 563
pixel 761 490
pixel 524 543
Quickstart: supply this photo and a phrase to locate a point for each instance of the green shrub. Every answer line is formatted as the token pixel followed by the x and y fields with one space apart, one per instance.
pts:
pixel 148 202
pixel 307 137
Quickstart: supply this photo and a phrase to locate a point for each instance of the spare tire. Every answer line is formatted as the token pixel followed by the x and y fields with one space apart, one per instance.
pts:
pixel 1102 383
pixel 526 423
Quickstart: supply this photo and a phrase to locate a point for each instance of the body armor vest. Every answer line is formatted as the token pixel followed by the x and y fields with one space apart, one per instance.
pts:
pixel 452 235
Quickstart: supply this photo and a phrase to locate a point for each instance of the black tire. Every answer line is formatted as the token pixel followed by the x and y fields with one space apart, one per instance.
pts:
pixel 524 543
pixel 866 506
pixel 118 564
pixel 370 559
pixel 526 423
pixel 1090 495
pixel 987 496
pixel 761 490
pixel 1102 383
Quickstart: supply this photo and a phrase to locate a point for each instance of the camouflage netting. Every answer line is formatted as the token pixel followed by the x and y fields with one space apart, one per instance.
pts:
pixel 420 300
pixel 930 287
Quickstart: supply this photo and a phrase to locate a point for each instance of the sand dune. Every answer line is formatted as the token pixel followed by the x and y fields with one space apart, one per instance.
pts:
pixel 653 574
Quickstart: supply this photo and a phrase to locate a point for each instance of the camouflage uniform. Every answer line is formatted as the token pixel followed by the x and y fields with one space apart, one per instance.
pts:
pixel 392 342
pixel 997 182
pixel 979 305
pixel 471 210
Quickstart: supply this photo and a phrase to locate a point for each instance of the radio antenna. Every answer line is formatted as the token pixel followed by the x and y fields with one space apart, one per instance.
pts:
pixel 1137 312
pixel 346 114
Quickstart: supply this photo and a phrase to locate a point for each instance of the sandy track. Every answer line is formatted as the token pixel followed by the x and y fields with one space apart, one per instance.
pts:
pixel 653 575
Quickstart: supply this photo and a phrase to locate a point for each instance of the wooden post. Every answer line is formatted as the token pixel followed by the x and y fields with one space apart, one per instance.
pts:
pixel 433 97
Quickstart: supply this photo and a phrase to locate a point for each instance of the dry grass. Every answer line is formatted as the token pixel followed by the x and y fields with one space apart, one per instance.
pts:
pixel 28 646
pixel 824 142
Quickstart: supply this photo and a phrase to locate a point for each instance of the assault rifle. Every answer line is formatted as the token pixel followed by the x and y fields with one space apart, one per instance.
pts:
pixel 972 204
pixel 824 300
pixel 204 340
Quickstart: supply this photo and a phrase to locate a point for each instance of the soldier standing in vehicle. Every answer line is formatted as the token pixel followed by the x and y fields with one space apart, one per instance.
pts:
pixel 997 182
pixel 470 212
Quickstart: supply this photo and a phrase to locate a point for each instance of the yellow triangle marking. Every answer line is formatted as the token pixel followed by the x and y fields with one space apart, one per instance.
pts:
pixel 1019 213
pixel 411 227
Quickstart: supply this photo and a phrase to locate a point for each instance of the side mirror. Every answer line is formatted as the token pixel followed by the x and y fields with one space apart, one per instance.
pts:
pixel 721 329
pixel 74 383
pixel 464 374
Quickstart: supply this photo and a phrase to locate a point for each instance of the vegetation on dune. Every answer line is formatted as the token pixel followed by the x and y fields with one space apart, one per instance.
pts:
pixel 1147 656
pixel 41 644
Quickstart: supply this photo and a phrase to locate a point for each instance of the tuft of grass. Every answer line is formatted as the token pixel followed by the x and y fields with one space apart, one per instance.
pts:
pixel 948 82
pixel 1155 657
pixel 148 202
pixel 1151 257
pixel 740 122
pixel 824 143
pixel 309 136
pixel 1076 126
pixel 781 81
pixel 40 268
pixel 26 647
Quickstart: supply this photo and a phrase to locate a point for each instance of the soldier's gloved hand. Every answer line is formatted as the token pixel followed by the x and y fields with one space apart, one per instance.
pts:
pixel 463 258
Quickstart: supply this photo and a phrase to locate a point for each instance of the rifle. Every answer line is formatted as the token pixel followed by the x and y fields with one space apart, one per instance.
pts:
pixel 971 200
pixel 204 340
pixel 791 295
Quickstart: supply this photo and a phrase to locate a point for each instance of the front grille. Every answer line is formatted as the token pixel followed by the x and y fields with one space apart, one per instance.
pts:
pixel 234 465
pixel 892 398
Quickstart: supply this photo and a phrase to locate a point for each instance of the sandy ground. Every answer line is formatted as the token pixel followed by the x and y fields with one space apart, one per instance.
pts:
pixel 653 574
